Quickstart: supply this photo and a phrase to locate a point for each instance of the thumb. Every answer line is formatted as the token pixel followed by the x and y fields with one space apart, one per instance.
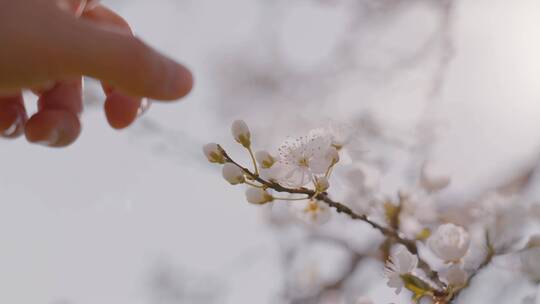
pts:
pixel 123 61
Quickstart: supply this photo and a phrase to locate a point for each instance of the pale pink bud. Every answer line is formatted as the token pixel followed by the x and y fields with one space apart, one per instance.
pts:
pixel 233 174
pixel 265 159
pixel 241 133
pixel 213 153
pixel 258 196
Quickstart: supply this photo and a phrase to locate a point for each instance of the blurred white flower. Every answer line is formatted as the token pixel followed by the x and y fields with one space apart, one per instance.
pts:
pixel 312 212
pixel 504 217
pixel 303 158
pixel 418 210
pixel 265 159
pixel 233 174
pixel 241 133
pixel 449 242
pixel 340 134
pixel 212 152
pixel 361 190
pixel 258 196
pixel 400 263
pixel 431 182
pixel 530 258
pixel 456 276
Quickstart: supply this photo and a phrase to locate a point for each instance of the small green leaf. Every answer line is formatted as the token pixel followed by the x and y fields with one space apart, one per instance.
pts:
pixel 417 286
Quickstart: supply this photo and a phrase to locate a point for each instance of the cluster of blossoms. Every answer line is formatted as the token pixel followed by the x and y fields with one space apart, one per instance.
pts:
pixel 301 167
pixel 423 251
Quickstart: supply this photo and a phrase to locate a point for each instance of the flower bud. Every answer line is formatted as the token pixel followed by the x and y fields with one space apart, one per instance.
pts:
pixel 431 182
pixel 233 174
pixel 265 159
pixel 449 242
pixel 321 184
pixel 213 153
pixel 313 212
pixel 332 155
pixel 258 196
pixel 241 133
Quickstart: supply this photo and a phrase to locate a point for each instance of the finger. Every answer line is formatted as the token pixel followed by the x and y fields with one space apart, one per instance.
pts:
pixel 120 109
pixel 123 61
pixel 56 124
pixel 12 116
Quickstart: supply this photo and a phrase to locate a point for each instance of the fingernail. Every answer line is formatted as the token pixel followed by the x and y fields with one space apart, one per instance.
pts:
pixel 53 128
pixel 143 108
pixel 10 121
pixel 10 131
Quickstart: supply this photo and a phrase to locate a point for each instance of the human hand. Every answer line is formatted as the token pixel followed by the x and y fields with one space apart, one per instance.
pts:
pixel 47 45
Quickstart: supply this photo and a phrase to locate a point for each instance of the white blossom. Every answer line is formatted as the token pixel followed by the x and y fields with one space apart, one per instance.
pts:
pixel 233 174
pixel 241 133
pixel 340 134
pixel 449 242
pixel 530 258
pixel 418 210
pixel 304 158
pixel 212 152
pixel 273 173
pixel 456 276
pixel 361 191
pixel 258 196
pixel 400 263
pixel 504 218
pixel 265 159
pixel 312 212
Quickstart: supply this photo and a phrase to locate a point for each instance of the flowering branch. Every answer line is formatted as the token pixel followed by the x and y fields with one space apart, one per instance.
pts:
pixel 303 170
pixel 340 208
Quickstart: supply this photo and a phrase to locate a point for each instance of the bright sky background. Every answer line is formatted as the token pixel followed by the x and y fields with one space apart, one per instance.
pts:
pixel 88 224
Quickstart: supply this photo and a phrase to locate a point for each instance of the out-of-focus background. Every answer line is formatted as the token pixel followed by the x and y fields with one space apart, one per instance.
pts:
pixel 138 216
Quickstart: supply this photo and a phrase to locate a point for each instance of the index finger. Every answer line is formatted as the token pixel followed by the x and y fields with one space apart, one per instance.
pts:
pixel 121 60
